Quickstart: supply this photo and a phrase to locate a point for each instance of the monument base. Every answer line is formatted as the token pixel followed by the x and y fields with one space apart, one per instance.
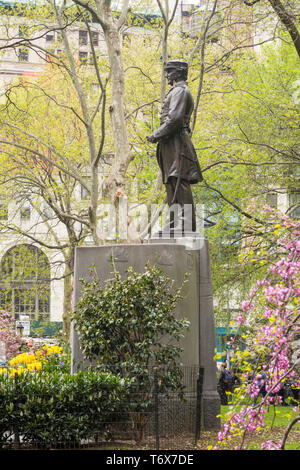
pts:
pixel 191 240
pixel 176 256
pixel 194 241
pixel 175 234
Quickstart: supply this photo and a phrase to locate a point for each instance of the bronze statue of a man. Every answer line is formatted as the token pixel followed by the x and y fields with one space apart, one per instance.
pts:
pixel 175 153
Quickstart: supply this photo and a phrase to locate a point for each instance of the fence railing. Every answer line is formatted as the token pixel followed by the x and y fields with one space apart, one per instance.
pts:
pixel 150 415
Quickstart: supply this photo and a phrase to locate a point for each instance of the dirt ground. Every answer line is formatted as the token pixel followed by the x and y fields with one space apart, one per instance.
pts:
pixel 207 439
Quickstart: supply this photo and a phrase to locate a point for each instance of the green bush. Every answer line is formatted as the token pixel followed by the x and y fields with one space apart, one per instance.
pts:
pixel 130 324
pixel 51 410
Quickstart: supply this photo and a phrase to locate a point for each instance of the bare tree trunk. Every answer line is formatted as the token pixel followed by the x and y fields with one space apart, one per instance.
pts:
pixel 123 155
pixel 89 129
pixel 287 19
pixel 102 9
pixel 202 39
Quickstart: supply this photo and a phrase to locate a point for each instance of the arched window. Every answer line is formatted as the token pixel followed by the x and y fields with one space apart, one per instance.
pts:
pixel 25 282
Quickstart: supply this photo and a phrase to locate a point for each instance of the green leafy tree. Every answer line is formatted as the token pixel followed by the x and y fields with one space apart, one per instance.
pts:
pixel 250 153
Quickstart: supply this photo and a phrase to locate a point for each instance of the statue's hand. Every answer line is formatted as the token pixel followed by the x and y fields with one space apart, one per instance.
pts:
pixel 151 138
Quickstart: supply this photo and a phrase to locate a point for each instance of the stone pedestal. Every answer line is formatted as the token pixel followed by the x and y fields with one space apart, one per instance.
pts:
pixel 175 256
pixel 193 242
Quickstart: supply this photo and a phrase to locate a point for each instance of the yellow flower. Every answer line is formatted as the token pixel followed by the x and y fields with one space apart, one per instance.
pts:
pixel 32 361
pixel 54 349
pixel 13 372
pixel 22 358
pixel 20 370
pixel 37 365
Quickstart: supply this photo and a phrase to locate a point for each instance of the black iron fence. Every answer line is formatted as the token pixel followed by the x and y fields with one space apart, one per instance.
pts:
pixel 150 413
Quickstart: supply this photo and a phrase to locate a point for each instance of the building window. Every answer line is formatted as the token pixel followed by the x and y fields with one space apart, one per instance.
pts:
pixel 3 211
pixel 25 211
pixel 294 204
pixel 50 37
pixel 83 57
pixel 294 170
pixel 297 170
pixel 83 37
pixel 47 211
pixel 272 200
pixel 25 282
pixel 23 55
pixel 23 31
pixel 95 38
pixel 84 193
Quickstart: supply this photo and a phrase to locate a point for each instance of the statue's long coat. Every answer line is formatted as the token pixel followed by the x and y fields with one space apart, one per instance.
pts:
pixel 175 153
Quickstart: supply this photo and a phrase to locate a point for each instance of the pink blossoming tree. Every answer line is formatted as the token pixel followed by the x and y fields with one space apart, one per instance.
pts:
pixel 269 320
pixel 13 342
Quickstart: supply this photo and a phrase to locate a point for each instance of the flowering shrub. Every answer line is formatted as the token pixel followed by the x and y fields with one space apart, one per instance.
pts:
pixel 270 321
pixel 13 342
pixel 53 358
pixel 48 358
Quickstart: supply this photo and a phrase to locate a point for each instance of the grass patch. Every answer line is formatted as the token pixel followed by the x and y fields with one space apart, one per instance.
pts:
pixel 276 422
pixel 276 416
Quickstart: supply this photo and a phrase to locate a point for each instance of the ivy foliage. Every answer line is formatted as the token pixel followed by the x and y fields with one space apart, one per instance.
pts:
pixel 124 321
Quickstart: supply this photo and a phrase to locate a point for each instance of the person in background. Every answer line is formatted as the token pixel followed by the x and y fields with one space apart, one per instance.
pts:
pixel 235 381
pixel 261 383
pixel 224 384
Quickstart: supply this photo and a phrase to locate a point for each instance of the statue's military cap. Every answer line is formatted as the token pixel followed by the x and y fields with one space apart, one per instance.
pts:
pixel 177 64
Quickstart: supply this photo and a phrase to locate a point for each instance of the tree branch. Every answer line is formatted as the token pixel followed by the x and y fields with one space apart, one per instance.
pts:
pixel 286 20
pixel 71 173
pixel 288 430
pixel 123 15
pixel 246 214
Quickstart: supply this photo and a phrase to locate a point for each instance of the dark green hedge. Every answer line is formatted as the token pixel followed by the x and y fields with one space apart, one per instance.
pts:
pixel 52 410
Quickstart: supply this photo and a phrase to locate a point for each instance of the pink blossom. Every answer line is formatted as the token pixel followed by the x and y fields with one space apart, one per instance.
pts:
pixel 240 319
pixel 269 445
pixel 274 332
pixel 246 305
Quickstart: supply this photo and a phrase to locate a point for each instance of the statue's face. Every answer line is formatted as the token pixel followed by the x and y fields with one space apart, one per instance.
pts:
pixel 171 75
